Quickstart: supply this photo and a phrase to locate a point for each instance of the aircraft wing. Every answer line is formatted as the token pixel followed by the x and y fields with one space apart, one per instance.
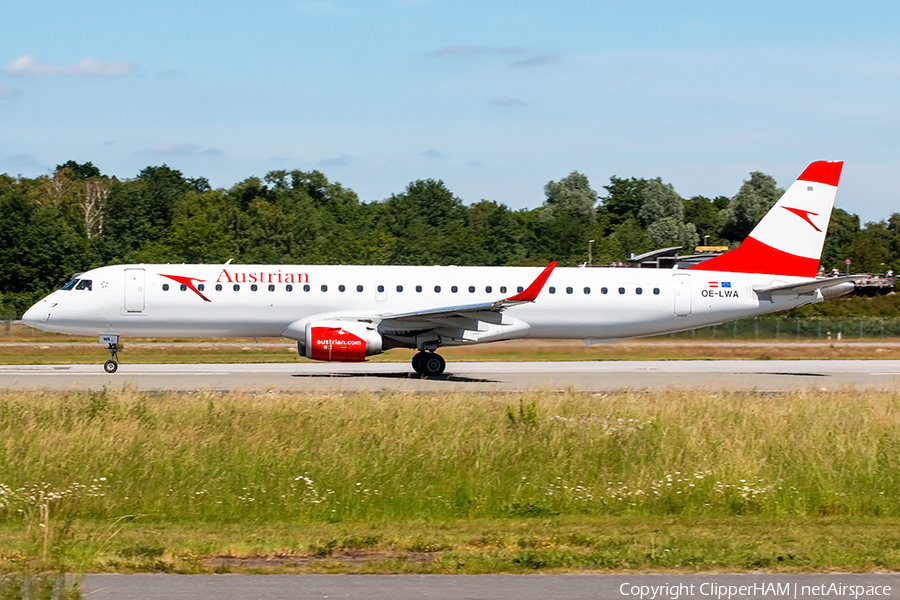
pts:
pixel 529 294
pixel 479 322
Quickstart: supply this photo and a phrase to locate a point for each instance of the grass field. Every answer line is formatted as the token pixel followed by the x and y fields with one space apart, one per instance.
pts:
pixel 120 480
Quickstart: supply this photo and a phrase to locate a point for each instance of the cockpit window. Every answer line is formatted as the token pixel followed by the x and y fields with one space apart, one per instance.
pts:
pixel 69 285
pixel 84 284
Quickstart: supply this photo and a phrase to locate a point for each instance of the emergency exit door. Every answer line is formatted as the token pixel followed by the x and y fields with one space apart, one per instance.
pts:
pixel 682 294
pixel 134 290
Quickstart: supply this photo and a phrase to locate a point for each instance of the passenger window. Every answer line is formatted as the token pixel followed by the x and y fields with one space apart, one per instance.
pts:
pixel 621 290
pixel 165 287
pixel 324 288
pixel 488 289
pixel 437 289
pixel 454 289
pixel 418 288
pixel 359 288
pixel 341 288
pixel 551 289
pixel 603 290
pixel 237 288
pixel 569 290
pixel 184 287
pixel 587 291
pixel 399 288
pixel 502 289
pixel 254 287
pixel 201 287
pixel 656 291
pixel 380 289
pixel 218 287
pixel 84 284
pixel 272 288
pixel 306 288
pixel 638 291
pixel 471 289
pixel 289 288
pixel 520 289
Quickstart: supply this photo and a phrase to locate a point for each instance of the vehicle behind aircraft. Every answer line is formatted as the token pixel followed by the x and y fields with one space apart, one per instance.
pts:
pixel 346 313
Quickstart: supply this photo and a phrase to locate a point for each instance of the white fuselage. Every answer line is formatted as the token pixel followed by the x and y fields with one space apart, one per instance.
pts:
pixel 594 304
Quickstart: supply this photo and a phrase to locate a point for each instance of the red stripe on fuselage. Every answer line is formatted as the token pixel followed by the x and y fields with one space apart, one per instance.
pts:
pixel 753 256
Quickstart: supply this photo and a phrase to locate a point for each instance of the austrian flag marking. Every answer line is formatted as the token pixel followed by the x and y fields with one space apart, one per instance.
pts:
pixel 719 289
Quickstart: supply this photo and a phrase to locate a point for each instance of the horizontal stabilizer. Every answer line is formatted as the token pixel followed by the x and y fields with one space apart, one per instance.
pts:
pixel 809 287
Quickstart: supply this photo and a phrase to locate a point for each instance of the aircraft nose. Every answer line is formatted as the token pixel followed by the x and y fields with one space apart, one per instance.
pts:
pixel 39 313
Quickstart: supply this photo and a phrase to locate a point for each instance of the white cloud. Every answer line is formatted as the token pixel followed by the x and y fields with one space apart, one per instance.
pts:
pixel 538 60
pixel 433 154
pixel 507 102
pixel 24 162
pixel 338 161
pixel 467 50
pixel 9 92
pixel 29 65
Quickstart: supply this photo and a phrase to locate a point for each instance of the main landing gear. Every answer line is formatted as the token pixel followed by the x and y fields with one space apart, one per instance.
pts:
pixel 428 364
pixel 112 365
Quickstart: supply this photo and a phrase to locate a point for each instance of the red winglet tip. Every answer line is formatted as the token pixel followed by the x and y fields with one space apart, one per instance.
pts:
pixel 531 292
pixel 823 171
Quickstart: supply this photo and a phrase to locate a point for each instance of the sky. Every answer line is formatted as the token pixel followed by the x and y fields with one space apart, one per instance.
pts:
pixel 494 97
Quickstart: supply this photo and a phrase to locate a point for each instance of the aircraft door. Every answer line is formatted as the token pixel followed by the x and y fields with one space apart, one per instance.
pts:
pixel 682 294
pixel 134 290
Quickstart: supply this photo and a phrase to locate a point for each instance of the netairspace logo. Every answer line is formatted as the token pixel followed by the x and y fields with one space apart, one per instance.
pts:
pixel 772 590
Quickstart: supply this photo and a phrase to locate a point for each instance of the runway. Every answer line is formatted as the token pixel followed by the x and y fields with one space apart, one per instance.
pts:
pixel 594 376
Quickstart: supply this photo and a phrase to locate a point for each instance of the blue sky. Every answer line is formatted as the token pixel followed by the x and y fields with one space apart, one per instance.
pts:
pixel 496 98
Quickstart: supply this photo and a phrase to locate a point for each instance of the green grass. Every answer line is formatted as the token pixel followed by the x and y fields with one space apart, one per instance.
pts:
pixel 684 480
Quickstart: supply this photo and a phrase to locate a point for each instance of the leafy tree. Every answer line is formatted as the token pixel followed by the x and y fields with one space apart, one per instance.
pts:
pixel 141 210
pixel 632 238
pixel 568 217
pixel 79 171
pixel 623 199
pixel 496 232
pixel 756 196
pixel 38 249
pixel 203 229
pixel 429 224
pixel 706 215
pixel 662 213
pixel 842 230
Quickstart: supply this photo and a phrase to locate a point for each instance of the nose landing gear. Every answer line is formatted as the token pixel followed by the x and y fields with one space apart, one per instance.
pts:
pixel 111 365
pixel 428 364
pixel 112 344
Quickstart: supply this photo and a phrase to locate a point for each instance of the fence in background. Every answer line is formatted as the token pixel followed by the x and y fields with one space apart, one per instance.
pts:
pixel 781 328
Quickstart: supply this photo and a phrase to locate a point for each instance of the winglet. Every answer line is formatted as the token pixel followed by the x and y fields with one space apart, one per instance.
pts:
pixel 530 293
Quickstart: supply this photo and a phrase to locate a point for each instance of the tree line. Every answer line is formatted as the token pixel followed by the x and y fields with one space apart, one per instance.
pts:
pixel 77 218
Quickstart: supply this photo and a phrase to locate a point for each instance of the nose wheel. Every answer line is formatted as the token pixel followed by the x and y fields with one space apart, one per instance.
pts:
pixel 112 365
pixel 428 364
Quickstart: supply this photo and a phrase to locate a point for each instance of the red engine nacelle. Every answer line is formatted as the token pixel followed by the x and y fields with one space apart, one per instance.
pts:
pixel 340 341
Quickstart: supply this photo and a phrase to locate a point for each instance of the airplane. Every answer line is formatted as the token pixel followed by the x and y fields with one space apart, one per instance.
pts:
pixel 346 313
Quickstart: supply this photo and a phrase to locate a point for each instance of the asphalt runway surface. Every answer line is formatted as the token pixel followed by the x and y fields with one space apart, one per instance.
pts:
pixel 519 587
pixel 594 376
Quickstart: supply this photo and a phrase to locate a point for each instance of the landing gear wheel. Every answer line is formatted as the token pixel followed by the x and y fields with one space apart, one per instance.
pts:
pixel 432 364
pixel 112 365
pixel 417 362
